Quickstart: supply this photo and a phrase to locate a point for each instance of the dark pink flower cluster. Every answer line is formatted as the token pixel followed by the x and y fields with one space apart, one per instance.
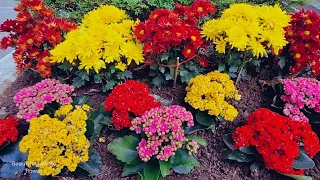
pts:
pixel 164 132
pixel 300 93
pixel 31 100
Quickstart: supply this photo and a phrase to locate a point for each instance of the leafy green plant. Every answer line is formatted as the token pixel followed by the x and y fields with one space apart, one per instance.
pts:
pixel 133 7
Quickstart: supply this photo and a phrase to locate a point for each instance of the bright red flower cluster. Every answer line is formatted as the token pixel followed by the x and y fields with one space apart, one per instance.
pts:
pixel 131 97
pixel 174 28
pixel 277 139
pixel 303 35
pixel 33 33
pixel 8 129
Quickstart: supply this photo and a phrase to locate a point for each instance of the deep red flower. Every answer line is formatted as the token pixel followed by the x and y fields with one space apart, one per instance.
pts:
pixel 130 97
pixel 46 12
pixel 23 16
pixel 7 41
pixel 189 51
pixel 201 8
pixel 8 25
pixel 277 139
pixel 8 129
pixel 203 62
pixel 53 36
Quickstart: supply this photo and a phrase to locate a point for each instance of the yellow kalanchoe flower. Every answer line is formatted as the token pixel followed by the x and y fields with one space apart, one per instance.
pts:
pixel 247 27
pixel 105 37
pixel 209 93
pixel 53 143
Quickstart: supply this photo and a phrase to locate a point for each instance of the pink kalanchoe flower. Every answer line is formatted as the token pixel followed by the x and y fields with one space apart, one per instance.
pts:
pixel 32 100
pixel 300 93
pixel 163 128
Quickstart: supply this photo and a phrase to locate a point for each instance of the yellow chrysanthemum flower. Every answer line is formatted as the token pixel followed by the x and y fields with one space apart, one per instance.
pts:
pixel 209 93
pixel 104 37
pixel 248 28
pixel 53 143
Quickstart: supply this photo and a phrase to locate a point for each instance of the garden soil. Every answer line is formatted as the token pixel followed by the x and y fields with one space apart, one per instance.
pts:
pixel 213 167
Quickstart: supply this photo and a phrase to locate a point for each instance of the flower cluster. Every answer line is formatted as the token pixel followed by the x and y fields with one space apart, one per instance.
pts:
pixel 54 143
pixel 104 37
pixel 300 93
pixel 32 100
pixel 164 132
pixel 130 97
pixel 174 28
pixel 33 33
pixel 248 28
pixel 8 129
pixel 209 92
pixel 277 139
pixel 303 36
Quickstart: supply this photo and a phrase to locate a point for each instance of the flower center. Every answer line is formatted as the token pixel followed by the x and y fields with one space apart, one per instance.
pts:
pixel 307 33
pixel 193 38
pixel 141 32
pixel 188 51
pixel 298 55
pixel 30 41
pixel 200 9
pixel 308 21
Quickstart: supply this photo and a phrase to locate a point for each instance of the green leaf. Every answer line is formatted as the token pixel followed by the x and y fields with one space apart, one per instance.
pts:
pixel 151 171
pixel 65 66
pixel 183 162
pixel 227 139
pixel 134 167
pixel 249 150
pixel 110 85
pixel 97 78
pixel 90 129
pixel 81 100
pixel 157 81
pixel 94 164
pixel 168 77
pixel 164 57
pixel 195 128
pixel 204 118
pixel 78 82
pixel 125 75
pixel 303 162
pixel 198 139
pixel 281 63
pixel 239 156
pixel 297 177
pixel 187 77
pixel 233 69
pixel 183 72
pixel 164 168
pixel 124 148
pixel 96 117
pixel 83 75
pixel 222 67
pixel 256 166
pixel 162 69
pixel 112 69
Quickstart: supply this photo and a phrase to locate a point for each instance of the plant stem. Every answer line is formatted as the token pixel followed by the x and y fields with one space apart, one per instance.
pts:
pixel 176 73
pixel 140 67
pixel 242 66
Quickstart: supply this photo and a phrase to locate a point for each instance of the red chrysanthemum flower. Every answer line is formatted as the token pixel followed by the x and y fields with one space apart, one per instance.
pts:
pixel 130 97
pixel 303 36
pixel 8 129
pixel 8 25
pixel 23 16
pixel 201 8
pixel 189 51
pixel 203 62
pixel 46 12
pixel 277 139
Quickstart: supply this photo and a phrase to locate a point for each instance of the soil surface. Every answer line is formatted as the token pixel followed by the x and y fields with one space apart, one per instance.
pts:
pixel 213 167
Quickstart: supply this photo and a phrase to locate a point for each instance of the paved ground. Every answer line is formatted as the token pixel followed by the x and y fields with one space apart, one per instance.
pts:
pixel 7 65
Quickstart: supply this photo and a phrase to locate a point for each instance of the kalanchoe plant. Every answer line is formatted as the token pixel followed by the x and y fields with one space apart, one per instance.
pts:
pixel 160 145
pixel 172 38
pixel 43 96
pixel 132 97
pixel 277 142
pixel 100 56
pixel 250 30
pixel 208 94
pixel 33 33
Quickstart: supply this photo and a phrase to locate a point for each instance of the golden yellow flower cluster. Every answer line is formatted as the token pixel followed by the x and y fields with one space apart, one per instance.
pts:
pixel 249 28
pixel 209 92
pixel 54 143
pixel 105 36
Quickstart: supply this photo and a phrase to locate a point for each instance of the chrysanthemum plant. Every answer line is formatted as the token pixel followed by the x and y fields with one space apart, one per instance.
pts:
pixel 160 144
pixel 172 42
pixel 208 95
pixel 275 142
pixel 100 56
pixel 245 33
pixel 32 34
pixel 302 53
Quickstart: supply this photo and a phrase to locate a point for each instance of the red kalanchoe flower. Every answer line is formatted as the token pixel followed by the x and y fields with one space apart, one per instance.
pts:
pixel 303 36
pixel 8 129
pixel 35 27
pixel 277 139
pixel 130 97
